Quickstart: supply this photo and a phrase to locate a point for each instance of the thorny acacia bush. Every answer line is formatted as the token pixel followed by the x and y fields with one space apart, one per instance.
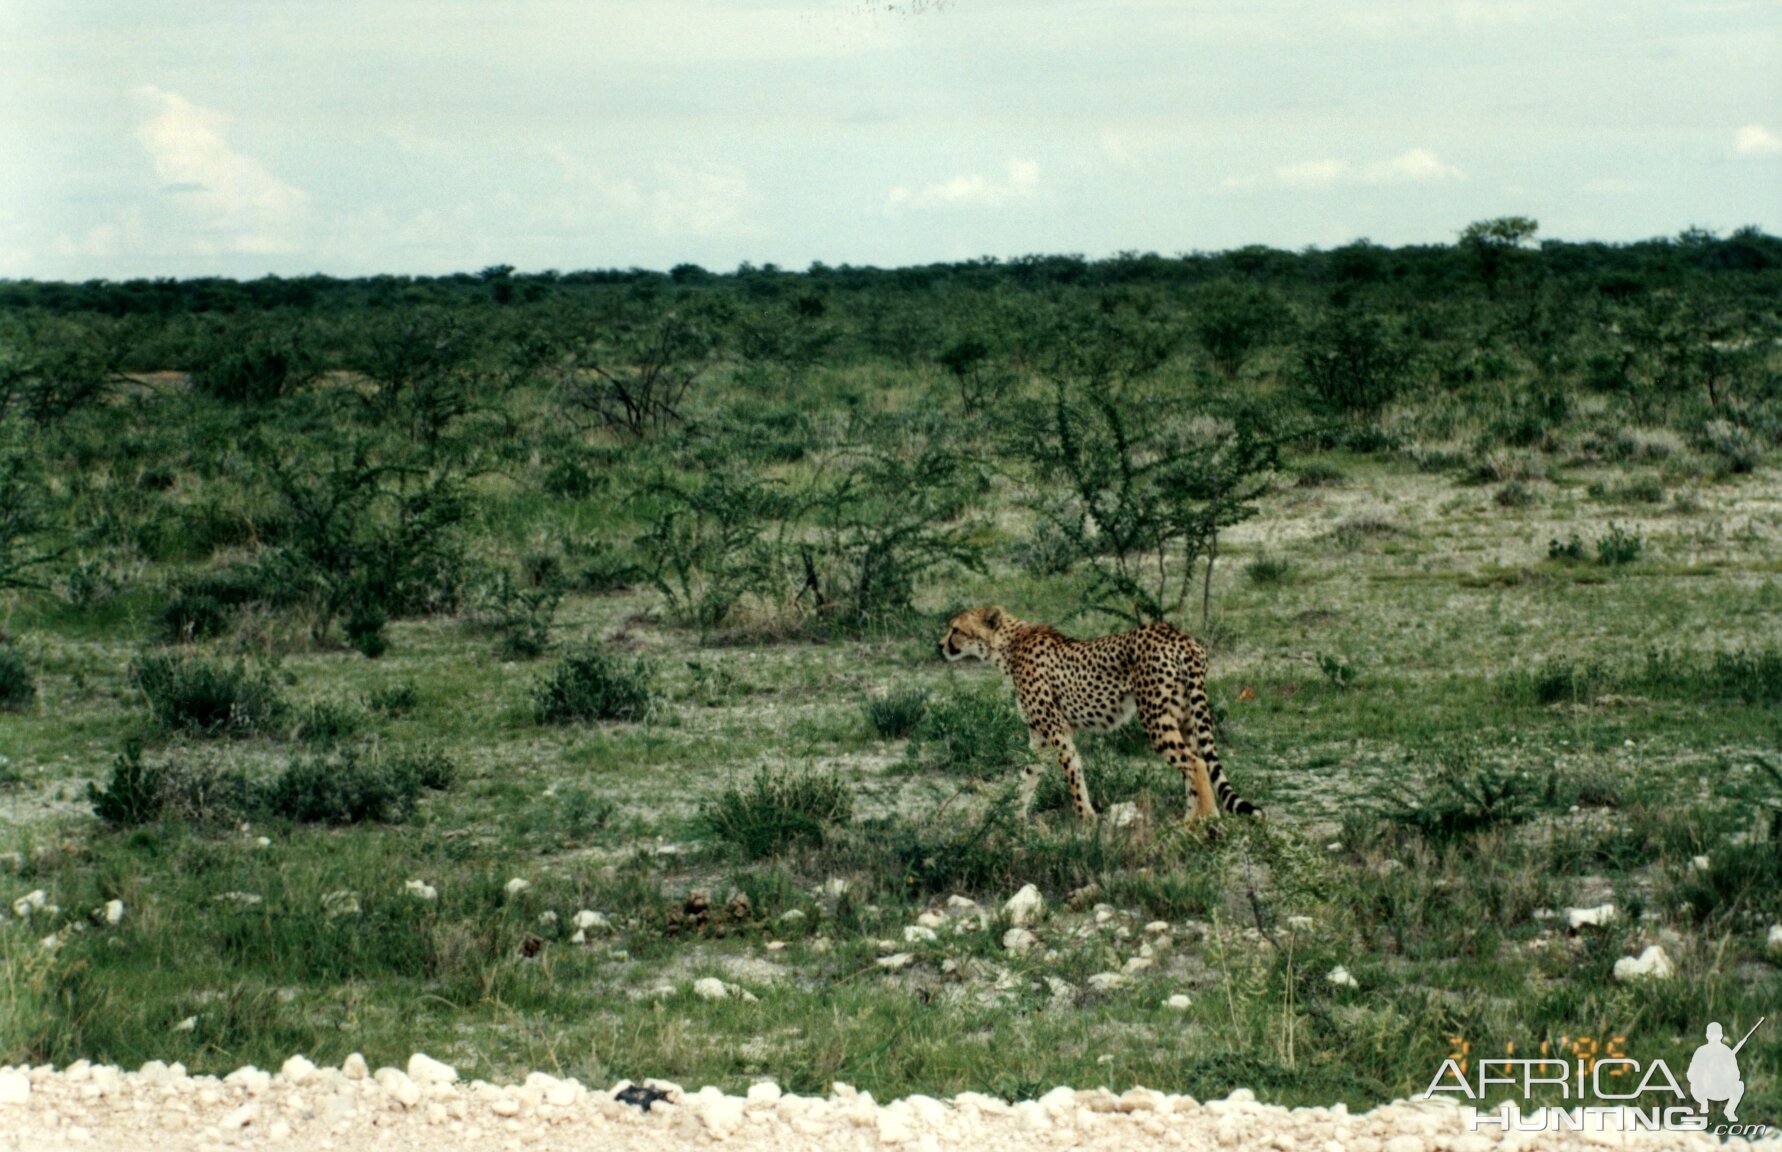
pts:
pixel 1146 499
pixel 847 548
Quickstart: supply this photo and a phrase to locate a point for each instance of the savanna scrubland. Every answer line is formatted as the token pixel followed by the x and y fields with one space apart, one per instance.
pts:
pixel 539 671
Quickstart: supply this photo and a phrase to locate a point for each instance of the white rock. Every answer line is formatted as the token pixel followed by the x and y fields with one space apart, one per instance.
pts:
pixel 1698 863
pixel 354 1068
pixel 237 1119
pixel 424 1069
pixel 765 1092
pixel 835 886
pixel 1178 1002
pixel 1062 990
pixel 722 1116
pixel 114 911
pixel 1405 1142
pixel 775 945
pixel 505 1106
pixel 1775 941
pixel 1026 906
pixel 1018 941
pixel 262 841
pixel 1108 981
pixel 896 961
pixel 710 988
pixel 1137 964
pixel 580 937
pixel 586 919
pixel 341 903
pixel 15 1088
pixel 961 903
pixel 29 903
pixel 1301 923
pixel 547 919
pixel 297 1069
pixel 186 1025
pixel 421 890
pixel 919 934
pixel 930 920
pixel 1341 978
pixel 1576 918
pixel 517 886
pixel 792 916
pixel 1652 964
pixel 250 1078
pixel 1156 927
pixel 1124 815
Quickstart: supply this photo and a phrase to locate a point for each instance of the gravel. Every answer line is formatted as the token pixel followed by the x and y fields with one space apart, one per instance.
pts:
pixel 428 1107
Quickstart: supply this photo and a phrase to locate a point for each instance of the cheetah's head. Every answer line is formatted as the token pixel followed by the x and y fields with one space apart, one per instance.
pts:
pixel 973 634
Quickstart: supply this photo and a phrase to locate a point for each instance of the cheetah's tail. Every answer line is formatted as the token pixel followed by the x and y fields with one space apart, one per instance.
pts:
pixel 1228 797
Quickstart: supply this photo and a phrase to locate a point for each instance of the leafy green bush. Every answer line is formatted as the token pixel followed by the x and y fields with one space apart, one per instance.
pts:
pixel 341 790
pixel 1569 551
pixel 1350 364
pixel 593 684
pixel 134 794
pixel 18 686
pixel 777 810
pixel 201 794
pixel 896 714
pixel 261 369
pixel 974 732
pixel 1618 546
pixel 206 697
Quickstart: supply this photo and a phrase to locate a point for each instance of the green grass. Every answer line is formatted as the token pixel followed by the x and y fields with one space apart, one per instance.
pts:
pixel 1457 735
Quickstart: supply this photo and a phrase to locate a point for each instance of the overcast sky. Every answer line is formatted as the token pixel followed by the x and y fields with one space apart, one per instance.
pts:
pixel 201 137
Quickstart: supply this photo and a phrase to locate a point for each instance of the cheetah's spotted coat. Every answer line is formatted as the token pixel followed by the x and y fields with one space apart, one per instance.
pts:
pixel 1062 685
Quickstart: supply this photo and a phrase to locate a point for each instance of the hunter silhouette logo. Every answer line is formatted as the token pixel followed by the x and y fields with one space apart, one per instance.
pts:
pixel 1612 1092
pixel 1714 1071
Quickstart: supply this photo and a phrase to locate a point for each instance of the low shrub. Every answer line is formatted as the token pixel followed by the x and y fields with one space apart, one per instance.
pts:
pixel 328 721
pixel 896 714
pixel 1569 551
pixel 18 686
pixel 206 697
pixel 1618 546
pixel 975 733
pixel 1466 798
pixel 135 793
pixel 777 810
pixel 1266 569
pixel 592 685
pixel 342 789
pixel 203 605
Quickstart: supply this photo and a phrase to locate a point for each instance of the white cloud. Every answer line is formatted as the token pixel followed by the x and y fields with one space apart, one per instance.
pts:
pixel 972 191
pixel 1417 166
pixel 1757 140
pixel 241 206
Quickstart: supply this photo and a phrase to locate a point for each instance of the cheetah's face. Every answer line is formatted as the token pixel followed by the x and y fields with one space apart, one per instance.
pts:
pixel 969 634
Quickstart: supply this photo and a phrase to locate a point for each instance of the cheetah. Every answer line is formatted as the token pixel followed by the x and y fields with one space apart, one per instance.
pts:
pixel 1063 684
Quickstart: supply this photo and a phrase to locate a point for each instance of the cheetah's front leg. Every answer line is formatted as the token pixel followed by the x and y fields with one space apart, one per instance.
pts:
pixel 1072 762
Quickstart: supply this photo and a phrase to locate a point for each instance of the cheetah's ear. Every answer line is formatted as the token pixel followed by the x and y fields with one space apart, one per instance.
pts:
pixel 993 617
